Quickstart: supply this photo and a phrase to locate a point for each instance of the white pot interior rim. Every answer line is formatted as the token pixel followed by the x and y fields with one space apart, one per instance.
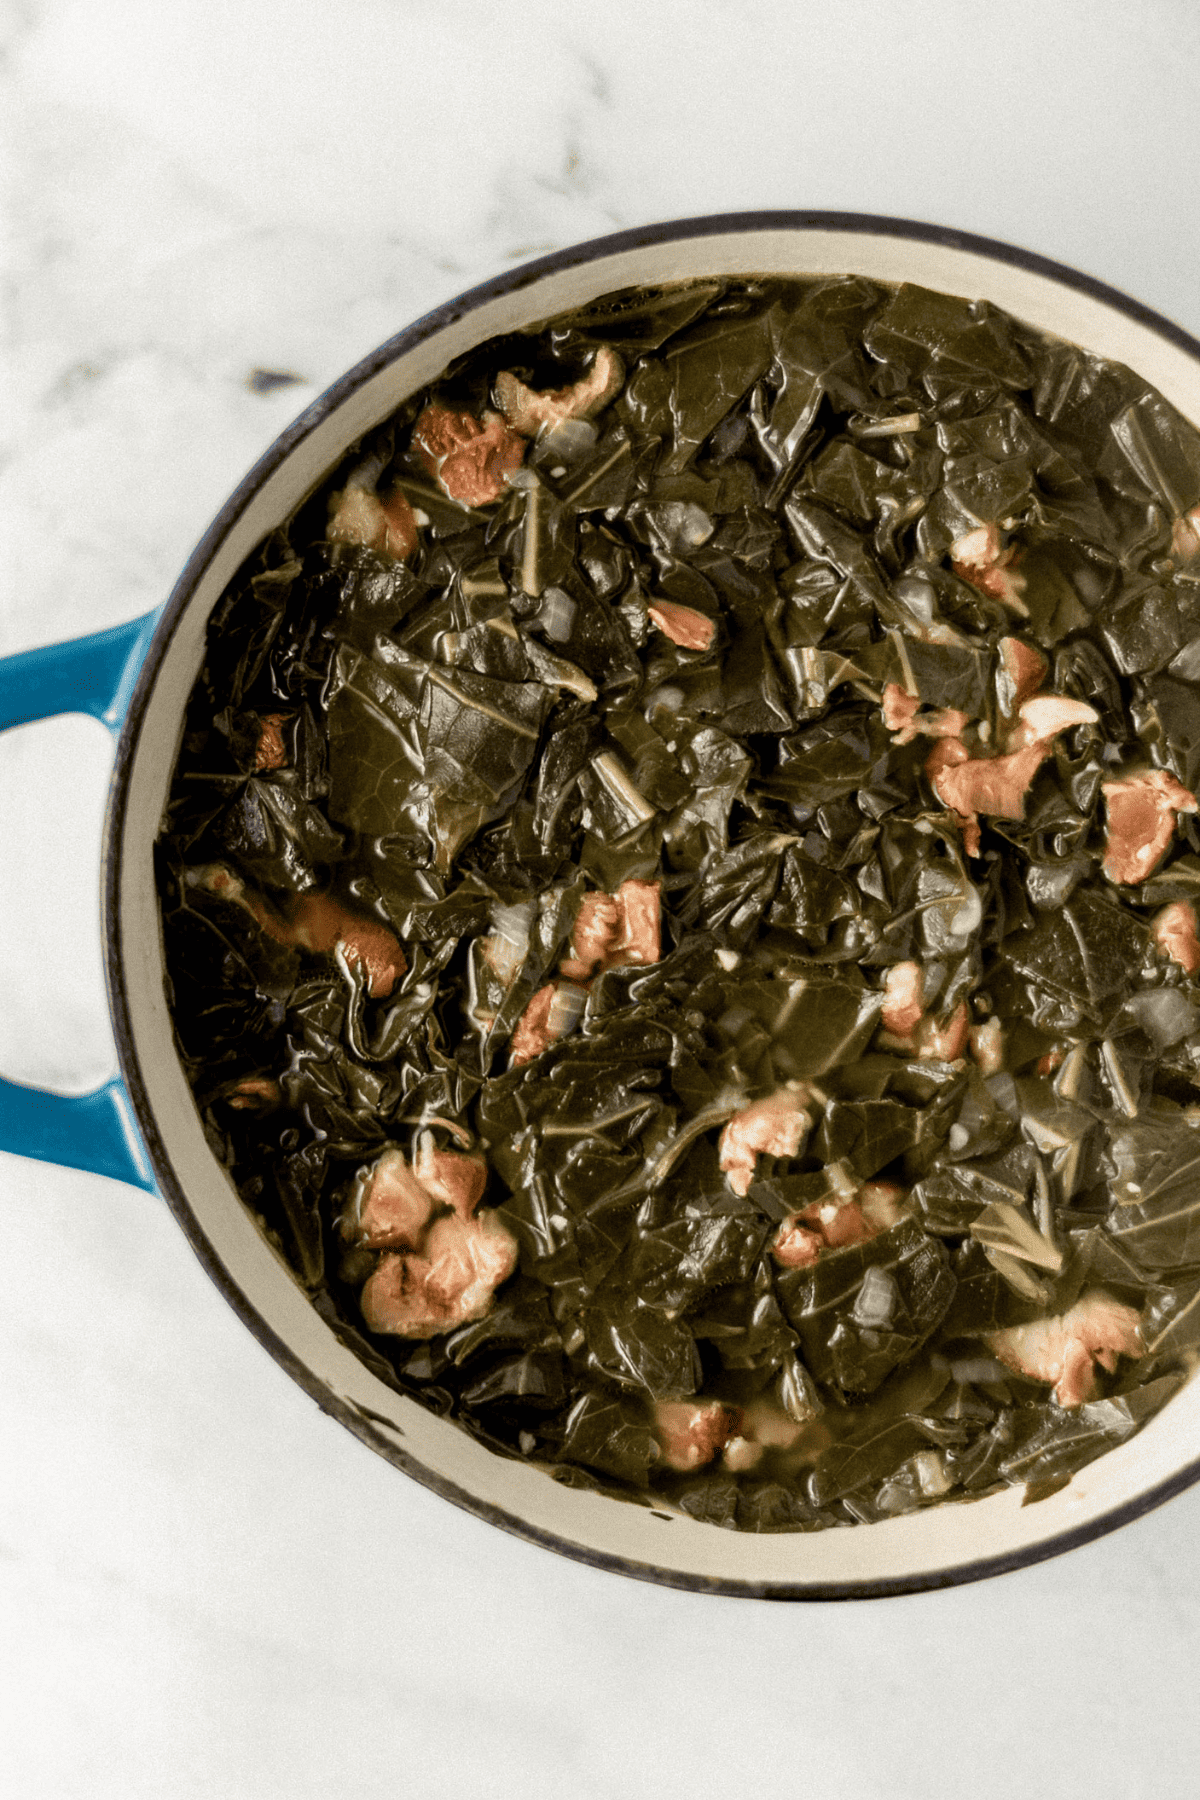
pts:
pixel 925 1550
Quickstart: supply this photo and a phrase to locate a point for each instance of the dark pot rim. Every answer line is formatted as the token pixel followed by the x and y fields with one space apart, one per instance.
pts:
pixel 356 1419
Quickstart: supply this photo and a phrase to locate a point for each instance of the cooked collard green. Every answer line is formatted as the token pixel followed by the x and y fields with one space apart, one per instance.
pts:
pixel 679 893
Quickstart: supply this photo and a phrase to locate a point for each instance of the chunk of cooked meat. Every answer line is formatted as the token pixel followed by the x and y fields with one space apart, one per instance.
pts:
pixel 690 629
pixel 797 1246
pixel 469 1259
pixel 997 785
pixel 845 1223
pixel 776 1126
pixel 906 1027
pixel 1045 715
pixel 942 762
pixel 978 549
pixel 254 1093
pixel 551 1014
pixel 451 1281
pixel 387 526
pixel 389 1206
pixel 987 1045
pixel 1020 672
pixel 1142 810
pixel 942 1040
pixel 594 930
pixel 638 936
pixel 322 924
pixel 531 412
pixel 317 923
pixel 269 752
pixel 984 784
pixel 449 1177
pixel 1185 535
pixel 980 558
pixel 899 709
pixel 904 988
pixel 1174 931
pixel 690 1432
pixel 392 1202
pixel 905 721
pixel 834 1223
pixel 612 930
pixel 532 1033
pixel 1062 1349
pixel 470 458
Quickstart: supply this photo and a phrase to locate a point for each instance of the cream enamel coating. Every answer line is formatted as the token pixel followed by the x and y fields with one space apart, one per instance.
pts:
pixel 947 1543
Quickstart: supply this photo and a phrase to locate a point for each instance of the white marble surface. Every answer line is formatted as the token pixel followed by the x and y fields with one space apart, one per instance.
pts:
pixel 208 1588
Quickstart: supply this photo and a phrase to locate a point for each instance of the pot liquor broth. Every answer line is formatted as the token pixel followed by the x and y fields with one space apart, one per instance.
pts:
pixel 679 898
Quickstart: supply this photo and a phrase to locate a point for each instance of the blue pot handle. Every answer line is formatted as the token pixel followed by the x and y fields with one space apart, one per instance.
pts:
pixel 95 675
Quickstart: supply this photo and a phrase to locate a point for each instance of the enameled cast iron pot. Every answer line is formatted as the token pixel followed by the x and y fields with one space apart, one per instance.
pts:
pixel 144 1127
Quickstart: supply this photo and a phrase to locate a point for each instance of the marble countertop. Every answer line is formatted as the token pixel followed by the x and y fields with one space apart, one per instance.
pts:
pixel 209 1589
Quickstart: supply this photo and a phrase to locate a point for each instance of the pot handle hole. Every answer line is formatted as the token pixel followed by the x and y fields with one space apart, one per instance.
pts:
pixel 95 675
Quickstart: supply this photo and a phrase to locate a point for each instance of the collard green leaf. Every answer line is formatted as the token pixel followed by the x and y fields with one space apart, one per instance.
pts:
pixel 711 1498
pixel 414 746
pixel 277 837
pixel 1087 953
pixel 810 895
pixel 1066 1443
pixel 1153 449
pixel 1171 1321
pixel 818 532
pixel 1167 718
pixel 917 328
pixel 678 1261
pixel 862 1311
pixel 533 1381
pixel 983 1300
pixel 642 1348
pixel 772 1506
pixel 866 1135
pixel 1156 1210
pixel 861 1460
pixel 1146 630
pixel 821 1023
pixel 708 371
pixel 717 770
pixel 639 319
pixel 825 762
pixel 609 1433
